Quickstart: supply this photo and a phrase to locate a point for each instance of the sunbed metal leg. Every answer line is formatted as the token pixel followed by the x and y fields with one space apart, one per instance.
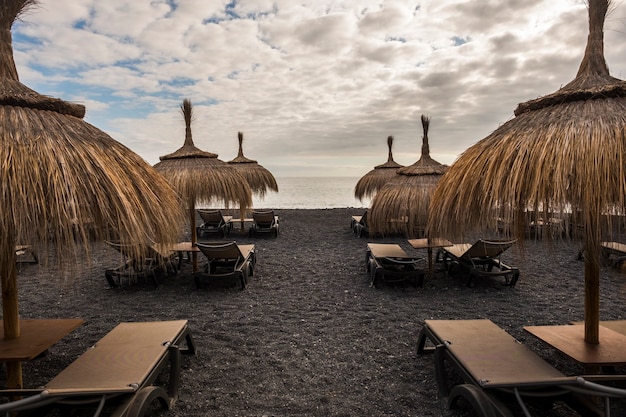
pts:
pixel 191 345
pixel 440 370
pixel 108 274
pixel 175 366
pixel 421 343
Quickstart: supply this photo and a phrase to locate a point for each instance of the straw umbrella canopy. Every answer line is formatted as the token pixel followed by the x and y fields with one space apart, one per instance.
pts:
pixel 564 153
pixel 401 206
pixel 374 180
pixel 60 173
pixel 259 178
pixel 200 177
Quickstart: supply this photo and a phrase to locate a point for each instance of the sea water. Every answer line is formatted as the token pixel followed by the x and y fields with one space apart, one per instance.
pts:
pixel 312 193
pixel 308 193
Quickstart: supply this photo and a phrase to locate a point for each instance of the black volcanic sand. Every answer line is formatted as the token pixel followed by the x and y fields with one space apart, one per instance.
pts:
pixel 309 336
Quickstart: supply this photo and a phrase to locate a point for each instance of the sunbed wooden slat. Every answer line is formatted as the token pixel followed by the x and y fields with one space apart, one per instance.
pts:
pixel 121 361
pixel 491 355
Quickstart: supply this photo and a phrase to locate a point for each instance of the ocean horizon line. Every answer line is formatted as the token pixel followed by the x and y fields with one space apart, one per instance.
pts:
pixel 311 193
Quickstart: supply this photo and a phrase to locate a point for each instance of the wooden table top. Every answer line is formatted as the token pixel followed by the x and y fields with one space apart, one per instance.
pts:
pixel 570 339
pixel 36 336
pixel 184 247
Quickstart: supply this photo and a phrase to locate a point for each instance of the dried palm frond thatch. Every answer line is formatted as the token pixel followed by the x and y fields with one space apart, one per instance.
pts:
pixel 200 177
pixel 259 178
pixel 563 154
pixel 59 174
pixel 370 183
pixel 401 206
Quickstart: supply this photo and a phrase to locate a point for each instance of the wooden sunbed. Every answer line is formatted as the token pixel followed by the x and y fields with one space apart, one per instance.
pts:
pixel 157 260
pixel 118 372
pixel 214 222
pixel 26 254
pixel 264 222
pixel 614 253
pixel 480 259
pixel 226 260
pixel 359 224
pixel 388 262
pixel 499 373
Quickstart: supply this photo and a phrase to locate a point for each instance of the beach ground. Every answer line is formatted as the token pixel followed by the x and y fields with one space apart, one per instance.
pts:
pixel 309 336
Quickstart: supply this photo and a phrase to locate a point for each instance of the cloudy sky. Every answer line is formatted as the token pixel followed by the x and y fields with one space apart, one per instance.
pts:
pixel 316 86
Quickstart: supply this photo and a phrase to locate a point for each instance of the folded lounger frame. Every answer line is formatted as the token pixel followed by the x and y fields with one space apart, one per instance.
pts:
pixel 152 265
pixel 116 376
pixel 481 259
pixel 388 262
pixel 226 260
pixel 500 373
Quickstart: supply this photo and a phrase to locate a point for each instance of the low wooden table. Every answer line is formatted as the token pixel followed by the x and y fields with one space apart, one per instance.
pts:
pixel 242 222
pixel 570 339
pixel 36 337
pixel 188 247
pixel 429 244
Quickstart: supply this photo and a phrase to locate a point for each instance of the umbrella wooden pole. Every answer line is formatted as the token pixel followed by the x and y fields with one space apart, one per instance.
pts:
pixel 10 310
pixel 194 234
pixel 592 298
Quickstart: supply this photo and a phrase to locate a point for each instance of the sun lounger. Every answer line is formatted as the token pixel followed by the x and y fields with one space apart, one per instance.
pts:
pixel 359 224
pixel 226 261
pixel 26 254
pixel 480 259
pixel 499 374
pixel 264 222
pixel 214 222
pixel 118 375
pixel 388 262
pixel 152 265
pixel 613 253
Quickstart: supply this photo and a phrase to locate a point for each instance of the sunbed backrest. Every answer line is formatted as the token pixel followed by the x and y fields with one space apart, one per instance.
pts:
pixel 228 250
pixel 212 218
pixel 263 218
pixel 488 249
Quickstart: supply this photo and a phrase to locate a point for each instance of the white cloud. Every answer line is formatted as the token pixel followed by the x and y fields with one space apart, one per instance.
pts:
pixel 314 85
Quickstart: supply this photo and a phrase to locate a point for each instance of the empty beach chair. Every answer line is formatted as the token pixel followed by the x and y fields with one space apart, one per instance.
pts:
pixel 120 375
pixel 480 259
pixel 496 375
pixel 264 222
pixel 214 222
pixel 153 262
pixel 226 261
pixel 388 262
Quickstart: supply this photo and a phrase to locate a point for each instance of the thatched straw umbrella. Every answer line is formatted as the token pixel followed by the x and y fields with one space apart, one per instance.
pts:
pixel 401 206
pixel 58 173
pixel 200 177
pixel 564 153
pixel 259 178
pixel 370 183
